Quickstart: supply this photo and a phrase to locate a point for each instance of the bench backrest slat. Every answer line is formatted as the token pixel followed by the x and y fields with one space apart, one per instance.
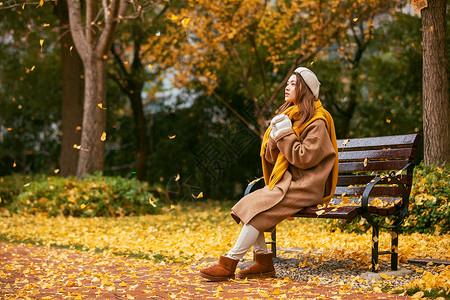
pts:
pixel 372 166
pixel 379 142
pixel 348 180
pixel 400 153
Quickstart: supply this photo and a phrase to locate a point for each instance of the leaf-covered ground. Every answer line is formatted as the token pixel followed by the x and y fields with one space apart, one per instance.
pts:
pixel 187 239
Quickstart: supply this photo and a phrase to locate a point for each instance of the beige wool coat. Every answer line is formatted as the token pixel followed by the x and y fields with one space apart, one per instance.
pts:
pixel 311 159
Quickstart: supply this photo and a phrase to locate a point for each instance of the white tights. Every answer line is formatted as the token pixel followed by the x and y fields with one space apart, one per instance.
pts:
pixel 249 236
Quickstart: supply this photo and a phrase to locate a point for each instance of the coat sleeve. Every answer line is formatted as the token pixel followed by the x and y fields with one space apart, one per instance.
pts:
pixel 308 151
pixel 272 151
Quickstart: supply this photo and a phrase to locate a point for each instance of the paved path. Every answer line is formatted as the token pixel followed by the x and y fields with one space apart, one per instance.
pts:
pixel 29 271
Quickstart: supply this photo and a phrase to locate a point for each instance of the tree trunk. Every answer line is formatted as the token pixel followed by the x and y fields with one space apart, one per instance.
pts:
pixel 93 45
pixel 72 95
pixel 94 118
pixel 436 106
pixel 141 135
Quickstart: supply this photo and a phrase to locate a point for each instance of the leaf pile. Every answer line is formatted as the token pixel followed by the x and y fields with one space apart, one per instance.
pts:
pixel 194 233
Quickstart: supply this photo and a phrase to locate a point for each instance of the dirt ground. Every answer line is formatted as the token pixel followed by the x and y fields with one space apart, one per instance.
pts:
pixel 37 272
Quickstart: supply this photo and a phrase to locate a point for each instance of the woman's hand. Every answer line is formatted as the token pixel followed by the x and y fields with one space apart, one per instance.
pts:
pixel 280 124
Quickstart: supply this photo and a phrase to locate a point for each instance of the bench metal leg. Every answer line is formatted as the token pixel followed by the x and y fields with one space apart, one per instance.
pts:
pixel 394 249
pixel 375 236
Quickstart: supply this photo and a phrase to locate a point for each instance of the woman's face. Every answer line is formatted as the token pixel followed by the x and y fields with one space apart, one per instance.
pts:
pixel 290 90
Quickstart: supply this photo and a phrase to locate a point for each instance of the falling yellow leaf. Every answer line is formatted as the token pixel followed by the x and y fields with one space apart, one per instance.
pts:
pixel 78 128
pixel 431 27
pixel 41 42
pixel 177 177
pixel 150 67
pixel 365 162
pixel 103 137
pixel 355 19
pixel 83 206
pixel 345 142
pixel 45 25
pixel 56 171
pixel 151 202
pixel 172 206
pixel 388 120
pixel 41 3
pixel 101 106
pixel 172 136
pixel 185 21
pixel 76 146
pixel 174 18
pixel 14 164
pixel 198 196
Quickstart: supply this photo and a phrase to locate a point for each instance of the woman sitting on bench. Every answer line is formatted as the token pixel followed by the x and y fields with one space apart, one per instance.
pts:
pixel 300 166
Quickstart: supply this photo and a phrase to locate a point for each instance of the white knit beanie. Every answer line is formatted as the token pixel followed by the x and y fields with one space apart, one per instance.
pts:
pixel 311 80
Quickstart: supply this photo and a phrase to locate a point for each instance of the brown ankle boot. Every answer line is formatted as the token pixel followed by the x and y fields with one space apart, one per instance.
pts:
pixel 263 267
pixel 223 271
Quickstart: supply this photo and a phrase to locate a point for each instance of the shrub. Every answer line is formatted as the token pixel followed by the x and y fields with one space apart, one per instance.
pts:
pixel 428 204
pixel 12 186
pixel 94 195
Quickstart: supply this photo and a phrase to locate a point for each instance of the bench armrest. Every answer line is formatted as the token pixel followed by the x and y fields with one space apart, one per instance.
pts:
pixel 400 214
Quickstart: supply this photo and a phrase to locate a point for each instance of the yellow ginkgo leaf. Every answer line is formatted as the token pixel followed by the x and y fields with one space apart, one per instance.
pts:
pixel 219 289
pixel 41 3
pixel 185 21
pixel 150 67
pixel 101 106
pixel 355 19
pixel 365 162
pixel 103 137
pixel 151 202
pixel 14 164
pixel 320 212
pixel 172 136
pixel 388 120
pixel 174 18
pixel 177 177
pixel 45 25
pixel 345 142
pixel 198 196
pixel 83 206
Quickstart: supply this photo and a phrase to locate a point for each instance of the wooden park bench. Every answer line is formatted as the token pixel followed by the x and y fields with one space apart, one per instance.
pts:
pixel 375 179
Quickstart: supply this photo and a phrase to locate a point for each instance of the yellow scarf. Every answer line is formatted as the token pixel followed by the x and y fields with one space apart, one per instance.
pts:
pixel 271 177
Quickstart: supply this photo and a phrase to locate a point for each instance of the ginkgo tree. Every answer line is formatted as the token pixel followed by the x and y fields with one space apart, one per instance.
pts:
pixel 259 43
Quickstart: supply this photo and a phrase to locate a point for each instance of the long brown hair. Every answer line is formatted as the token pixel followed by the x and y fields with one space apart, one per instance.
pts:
pixel 304 99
